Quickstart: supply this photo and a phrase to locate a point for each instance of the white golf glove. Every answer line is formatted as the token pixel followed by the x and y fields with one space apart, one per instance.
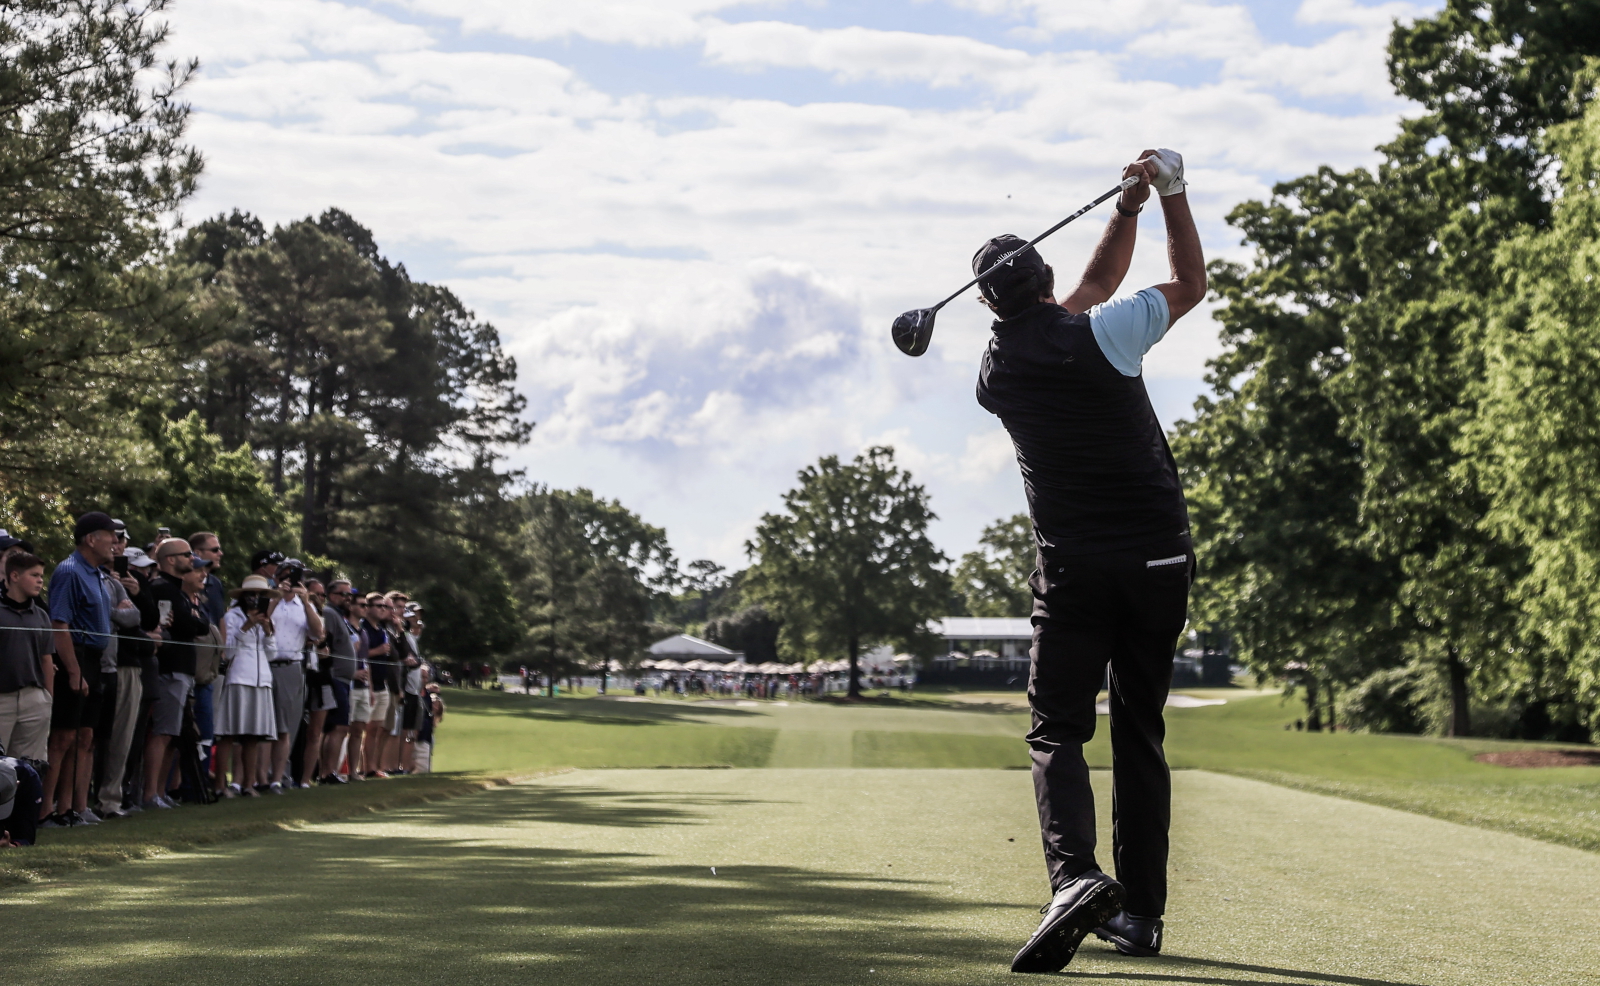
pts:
pixel 1169 172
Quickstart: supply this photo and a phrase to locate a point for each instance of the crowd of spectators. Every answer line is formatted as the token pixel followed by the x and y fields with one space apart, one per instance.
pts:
pixel 134 680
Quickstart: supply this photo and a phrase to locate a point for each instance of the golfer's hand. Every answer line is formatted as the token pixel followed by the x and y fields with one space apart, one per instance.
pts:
pixel 1143 169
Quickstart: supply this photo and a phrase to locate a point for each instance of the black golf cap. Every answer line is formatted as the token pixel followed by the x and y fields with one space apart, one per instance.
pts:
pixel 90 522
pixel 1016 267
pixel 265 556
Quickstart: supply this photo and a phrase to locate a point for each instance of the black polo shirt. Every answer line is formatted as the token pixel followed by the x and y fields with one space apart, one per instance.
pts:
pixel 1095 463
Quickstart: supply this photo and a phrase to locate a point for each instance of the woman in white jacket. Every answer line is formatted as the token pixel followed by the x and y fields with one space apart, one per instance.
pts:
pixel 244 714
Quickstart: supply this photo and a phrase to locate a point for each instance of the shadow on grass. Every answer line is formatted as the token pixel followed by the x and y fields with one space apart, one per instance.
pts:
pixel 596 711
pixel 411 907
pixel 1295 977
pixel 568 805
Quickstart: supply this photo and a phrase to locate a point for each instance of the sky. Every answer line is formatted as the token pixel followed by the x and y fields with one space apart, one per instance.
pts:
pixel 693 221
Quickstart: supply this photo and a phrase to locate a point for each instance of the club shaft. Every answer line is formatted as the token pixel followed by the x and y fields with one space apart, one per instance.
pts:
pixel 1126 183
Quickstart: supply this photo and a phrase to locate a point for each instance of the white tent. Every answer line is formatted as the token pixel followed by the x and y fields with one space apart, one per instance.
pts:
pixel 683 647
pixel 668 665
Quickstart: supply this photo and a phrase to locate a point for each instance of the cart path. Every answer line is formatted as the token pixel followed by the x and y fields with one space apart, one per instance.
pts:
pixel 821 876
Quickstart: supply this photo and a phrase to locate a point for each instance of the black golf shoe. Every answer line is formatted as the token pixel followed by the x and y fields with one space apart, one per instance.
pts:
pixel 1131 934
pixel 1076 909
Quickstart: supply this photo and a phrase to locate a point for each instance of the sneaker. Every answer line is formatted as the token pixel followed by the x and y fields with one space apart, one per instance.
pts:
pixel 276 788
pixel 231 791
pixel 153 804
pixel 1133 935
pixel 1076 909
pixel 58 821
pixel 88 817
pixel 131 809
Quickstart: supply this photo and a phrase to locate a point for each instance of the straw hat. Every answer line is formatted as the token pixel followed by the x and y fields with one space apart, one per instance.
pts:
pixel 252 583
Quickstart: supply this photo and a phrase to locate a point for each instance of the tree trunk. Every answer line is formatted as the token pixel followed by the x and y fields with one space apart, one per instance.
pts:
pixel 1333 716
pixel 855 668
pixel 1313 705
pixel 1460 698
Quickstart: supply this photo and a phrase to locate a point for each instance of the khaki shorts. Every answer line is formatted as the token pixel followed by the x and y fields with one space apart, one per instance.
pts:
pixel 25 723
pixel 380 707
pixel 360 704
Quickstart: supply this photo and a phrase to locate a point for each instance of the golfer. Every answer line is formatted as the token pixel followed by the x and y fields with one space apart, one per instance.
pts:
pixel 1115 559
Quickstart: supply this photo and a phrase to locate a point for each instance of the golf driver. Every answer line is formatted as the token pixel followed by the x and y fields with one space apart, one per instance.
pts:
pixel 914 330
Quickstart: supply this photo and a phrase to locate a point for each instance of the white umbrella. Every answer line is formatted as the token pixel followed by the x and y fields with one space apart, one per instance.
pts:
pixel 903 659
pixel 740 666
pixel 699 665
pixel 668 665
pixel 647 665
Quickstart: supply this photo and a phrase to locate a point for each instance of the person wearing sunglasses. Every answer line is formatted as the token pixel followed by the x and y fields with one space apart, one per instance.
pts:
pixel 339 620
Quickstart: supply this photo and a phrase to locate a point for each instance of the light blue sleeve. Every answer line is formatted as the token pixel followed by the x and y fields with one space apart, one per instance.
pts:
pixel 1127 328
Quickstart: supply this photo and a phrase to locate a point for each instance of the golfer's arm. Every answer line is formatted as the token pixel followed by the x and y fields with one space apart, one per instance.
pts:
pixel 1107 266
pixel 1188 285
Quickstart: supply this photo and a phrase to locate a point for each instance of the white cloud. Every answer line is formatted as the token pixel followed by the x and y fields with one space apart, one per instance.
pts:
pixel 855 53
pixel 698 288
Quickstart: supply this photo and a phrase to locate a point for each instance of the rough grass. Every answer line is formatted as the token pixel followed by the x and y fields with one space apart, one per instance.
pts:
pixel 156 833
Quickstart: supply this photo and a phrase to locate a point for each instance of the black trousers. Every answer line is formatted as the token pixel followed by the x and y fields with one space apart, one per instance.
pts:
pixel 1123 610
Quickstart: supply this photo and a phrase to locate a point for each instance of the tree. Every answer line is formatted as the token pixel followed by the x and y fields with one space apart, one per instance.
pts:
pixel 588 570
pixel 1539 428
pixel 993 581
pixel 92 169
pixel 849 563
pixel 1340 510
pixel 380 404
pixel 751 630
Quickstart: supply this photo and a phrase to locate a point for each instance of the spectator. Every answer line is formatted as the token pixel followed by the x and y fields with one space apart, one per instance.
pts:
pixel 381 660
pixel 361 690
pixel 21 793
pixel 432 715
pixel 339 619
pixel 27 646
pixel 134 658
pixel 407 682
pixel 10 545
pixel 208 546
pixel 265 564
pixel 81 617
pixel 183 621
pixel 319 686
pixel 245 713
pixel 120 587
pixel 296 625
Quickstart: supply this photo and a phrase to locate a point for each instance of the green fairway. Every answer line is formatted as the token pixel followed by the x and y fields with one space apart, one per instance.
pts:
pixel 500 732
pixel 821 876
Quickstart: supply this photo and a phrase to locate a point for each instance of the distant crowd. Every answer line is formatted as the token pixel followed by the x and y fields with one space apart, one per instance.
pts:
pixel 133 679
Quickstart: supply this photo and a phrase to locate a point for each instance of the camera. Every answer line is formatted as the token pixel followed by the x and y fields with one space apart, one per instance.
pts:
pixel 291 574
pixel 119 564
pixel 162 533
pixel 256 602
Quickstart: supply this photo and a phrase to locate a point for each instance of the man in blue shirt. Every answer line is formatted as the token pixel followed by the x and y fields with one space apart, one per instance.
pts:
pixel 1114 555
pixel 81 616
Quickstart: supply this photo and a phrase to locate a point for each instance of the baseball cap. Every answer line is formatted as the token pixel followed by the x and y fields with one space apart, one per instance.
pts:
pixel 1015 269
pixel 137 558
pixel 266 556
pixel 90 522
pixel 9 540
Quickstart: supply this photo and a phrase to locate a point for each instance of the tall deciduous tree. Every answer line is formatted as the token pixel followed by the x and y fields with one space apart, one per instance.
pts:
pixel 1537 438
pixel 93 167
pixel 587 570
pixel 1341 514
pixel 848 564
pixel 993 581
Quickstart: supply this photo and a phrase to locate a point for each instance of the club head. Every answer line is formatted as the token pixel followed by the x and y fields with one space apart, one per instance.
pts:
pixel 914 330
